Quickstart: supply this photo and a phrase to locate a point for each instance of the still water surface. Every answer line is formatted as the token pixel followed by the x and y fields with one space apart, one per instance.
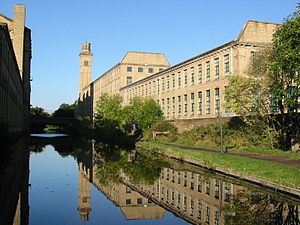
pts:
pixel 75 182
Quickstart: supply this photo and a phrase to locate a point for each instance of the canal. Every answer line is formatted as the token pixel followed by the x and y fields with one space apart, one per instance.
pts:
pixel 60 181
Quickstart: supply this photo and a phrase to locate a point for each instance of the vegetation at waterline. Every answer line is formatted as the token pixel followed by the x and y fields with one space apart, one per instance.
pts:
pixel 271 91
pixel 256 207
pixel 275 172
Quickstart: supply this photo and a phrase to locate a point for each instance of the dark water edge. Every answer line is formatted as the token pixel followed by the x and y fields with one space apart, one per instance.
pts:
pixel 87 182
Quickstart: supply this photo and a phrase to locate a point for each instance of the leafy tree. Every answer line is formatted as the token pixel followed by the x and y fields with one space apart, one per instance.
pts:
pixel 110 112
pixel 65 111
pixel 272 86
pixel 141 114
pixel 38 112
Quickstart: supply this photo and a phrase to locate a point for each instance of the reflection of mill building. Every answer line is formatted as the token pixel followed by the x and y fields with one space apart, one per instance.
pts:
pixel 192 196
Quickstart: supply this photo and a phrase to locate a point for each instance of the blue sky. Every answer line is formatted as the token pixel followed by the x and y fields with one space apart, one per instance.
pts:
pixel 178 28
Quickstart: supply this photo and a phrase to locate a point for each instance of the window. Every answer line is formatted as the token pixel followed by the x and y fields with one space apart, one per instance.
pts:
pixel 128 201
pixel 128 189
pixel 168 82
pixel 207 71
pixel 192 207
pixel 200 74
pixel 168 107
pixel 129 69
pixel 179 105
pixel 86 63
pixel 207 101
pixel 192 76
pixel 207 186
pixel 157 86
pixel 163 84
pixel 217 215
pixel 200 183
pixel 178 200
pixel 179 80
pixel 160 69
pixel 207 213
pixel 139 201
pixel 163 106
pixel 154 87
pixel 150 70
pixel 173 81
pixel 178 178
pixel 185 105
pixel 129 80
pixel 200 103
pixel 217 68
pixel 199 209
pixel 192 104
pixel 140 69
pixel 217 189
pixel 185 78
pixel 226 65
pixel 173 107
pixel 217 100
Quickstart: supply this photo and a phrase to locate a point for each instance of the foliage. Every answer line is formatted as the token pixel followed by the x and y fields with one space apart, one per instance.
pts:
pixel 143 113
pixel 119 124
pixel 254 207
pixel 163 126
pixel 272 86
pixel 65 111
pixel 38 112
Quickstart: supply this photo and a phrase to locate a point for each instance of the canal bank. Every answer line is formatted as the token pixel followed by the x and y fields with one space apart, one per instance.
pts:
pixel 277 177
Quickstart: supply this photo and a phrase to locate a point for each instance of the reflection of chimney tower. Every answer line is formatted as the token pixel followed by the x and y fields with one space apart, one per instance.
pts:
pixel 84 194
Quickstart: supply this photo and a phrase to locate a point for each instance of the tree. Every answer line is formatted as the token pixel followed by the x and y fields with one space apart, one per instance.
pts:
pixel 65 111
pixel 143 113
pixel 270 92
pixel 38 112
pixel 110 112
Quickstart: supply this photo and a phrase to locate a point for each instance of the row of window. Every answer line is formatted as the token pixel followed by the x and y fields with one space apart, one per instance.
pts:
pixel 181 80
pixel 141 69
pixel 192 102
pixel 197 182
pixel 189 204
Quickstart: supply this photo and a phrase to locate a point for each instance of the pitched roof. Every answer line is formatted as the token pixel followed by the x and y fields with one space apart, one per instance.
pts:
pixel 145 58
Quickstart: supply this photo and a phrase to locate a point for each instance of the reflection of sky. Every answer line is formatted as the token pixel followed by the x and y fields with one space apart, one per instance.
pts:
pixel 54 195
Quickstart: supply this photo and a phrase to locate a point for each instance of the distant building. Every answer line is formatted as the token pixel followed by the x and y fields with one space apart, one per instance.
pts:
pixel 190 90
pixel 15 57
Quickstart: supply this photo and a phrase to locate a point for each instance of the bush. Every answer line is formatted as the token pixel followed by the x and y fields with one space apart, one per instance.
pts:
pixel 163 126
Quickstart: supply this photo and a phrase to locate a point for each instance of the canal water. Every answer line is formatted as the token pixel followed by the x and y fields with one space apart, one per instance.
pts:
pixel 60 181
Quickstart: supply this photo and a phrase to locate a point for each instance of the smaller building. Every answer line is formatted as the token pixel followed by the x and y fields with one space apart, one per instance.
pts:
pixel 133 67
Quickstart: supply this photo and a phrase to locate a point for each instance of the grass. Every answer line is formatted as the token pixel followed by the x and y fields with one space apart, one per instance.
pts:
pixel 275 172
pixel 251 149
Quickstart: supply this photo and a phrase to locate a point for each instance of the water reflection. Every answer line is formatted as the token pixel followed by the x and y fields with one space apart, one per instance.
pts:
pixel 14 173
pixel 144 185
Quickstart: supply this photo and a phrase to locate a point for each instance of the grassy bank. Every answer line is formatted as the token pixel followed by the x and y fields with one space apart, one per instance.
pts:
pixel 275 172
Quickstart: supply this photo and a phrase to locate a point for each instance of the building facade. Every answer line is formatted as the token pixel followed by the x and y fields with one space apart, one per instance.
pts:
pixel 193 89
pixel 15 57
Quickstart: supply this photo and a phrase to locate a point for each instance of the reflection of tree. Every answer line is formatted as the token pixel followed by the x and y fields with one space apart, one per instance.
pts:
pixel 114 163
pixel 37 148
pixel 260 209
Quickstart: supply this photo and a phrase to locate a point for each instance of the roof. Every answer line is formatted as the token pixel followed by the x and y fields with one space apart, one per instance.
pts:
pixel 145 58
pixel 257 32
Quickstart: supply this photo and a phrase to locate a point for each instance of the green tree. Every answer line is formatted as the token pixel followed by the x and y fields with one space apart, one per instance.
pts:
pixel 110 112
pixel 38 112
pixel 65 111
pixel 272 87
pixel 143 113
